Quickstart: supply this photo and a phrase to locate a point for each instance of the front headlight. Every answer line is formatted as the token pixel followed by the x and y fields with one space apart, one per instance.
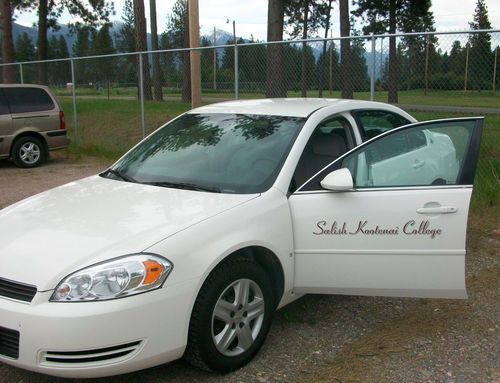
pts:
pixel 117 278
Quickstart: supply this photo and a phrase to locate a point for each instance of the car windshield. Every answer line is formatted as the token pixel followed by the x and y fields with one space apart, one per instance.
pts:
pixel 228 153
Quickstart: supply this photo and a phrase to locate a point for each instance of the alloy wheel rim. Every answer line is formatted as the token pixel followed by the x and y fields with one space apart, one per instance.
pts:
pixel 29 153
pixel 237 317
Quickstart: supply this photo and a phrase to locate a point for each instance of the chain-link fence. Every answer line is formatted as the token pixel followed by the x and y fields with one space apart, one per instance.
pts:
pixel 112 101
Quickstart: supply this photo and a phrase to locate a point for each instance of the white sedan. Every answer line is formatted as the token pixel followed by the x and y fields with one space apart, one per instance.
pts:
pixel 189 243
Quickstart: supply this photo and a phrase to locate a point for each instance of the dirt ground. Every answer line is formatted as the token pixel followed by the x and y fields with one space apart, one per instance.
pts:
pixel 336 338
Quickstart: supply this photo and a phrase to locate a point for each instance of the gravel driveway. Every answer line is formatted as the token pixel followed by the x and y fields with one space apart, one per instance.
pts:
pixel 336 338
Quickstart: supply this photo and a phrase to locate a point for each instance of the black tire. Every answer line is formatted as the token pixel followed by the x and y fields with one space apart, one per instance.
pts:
pixel 28 152
pixel 202 350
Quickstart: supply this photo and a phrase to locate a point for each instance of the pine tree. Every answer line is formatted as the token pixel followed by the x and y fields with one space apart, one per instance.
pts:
pixel 155 56
pixel 141 46
pixel 125 42
pixel 480 55
pixel 382 16
pixel 81 48
pixel 305 17
pixel 7 44
pixel 91 12
pixel 275 81
pixel 178 32
pixel 24 48
pixel 102 44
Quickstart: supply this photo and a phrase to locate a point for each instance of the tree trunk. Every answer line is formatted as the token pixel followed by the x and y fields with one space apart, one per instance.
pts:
pixel 345 50
pixel 275 79
pixel 392 85
pixel 186 70
pixel 156 56
pixel 141 46
pixel 7 44
pixel 42 41
pixel 323 56
pixel 304 46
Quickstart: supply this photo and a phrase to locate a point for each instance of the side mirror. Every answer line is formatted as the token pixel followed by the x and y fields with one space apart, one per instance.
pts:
pixel 338 180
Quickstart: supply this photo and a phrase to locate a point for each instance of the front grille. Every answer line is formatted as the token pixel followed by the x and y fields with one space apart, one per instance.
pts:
pixel 90 356
pixel 16 290
pixel 9 343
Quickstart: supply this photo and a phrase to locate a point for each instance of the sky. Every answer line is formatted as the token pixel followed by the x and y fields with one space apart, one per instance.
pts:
pixel 251 17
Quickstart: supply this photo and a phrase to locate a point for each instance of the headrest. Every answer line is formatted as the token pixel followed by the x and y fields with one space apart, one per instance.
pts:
pixel 331 145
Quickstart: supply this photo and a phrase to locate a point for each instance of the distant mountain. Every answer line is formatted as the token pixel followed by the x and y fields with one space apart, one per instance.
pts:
pixel 18 29
pixel 222 37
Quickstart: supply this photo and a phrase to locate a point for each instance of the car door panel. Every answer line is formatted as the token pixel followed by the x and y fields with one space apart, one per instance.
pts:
pixel 403 237
pixel 383 246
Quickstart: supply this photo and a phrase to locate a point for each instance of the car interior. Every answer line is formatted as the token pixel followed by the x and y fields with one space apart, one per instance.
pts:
pixel 328 142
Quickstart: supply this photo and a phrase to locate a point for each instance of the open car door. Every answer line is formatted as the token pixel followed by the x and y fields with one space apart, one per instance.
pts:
pixel 391 219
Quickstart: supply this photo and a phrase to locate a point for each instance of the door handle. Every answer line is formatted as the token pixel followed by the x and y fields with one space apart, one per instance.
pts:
pixel 437 210
pixel 418 164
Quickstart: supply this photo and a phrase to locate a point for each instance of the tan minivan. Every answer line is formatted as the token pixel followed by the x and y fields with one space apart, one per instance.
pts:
pixel 31 123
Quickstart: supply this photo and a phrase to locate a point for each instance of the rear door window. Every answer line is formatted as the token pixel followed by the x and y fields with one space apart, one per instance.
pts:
pixel 22 100
pixel 4 107
pixel 374 122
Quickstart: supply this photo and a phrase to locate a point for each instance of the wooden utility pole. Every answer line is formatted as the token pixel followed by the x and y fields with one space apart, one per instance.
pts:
pixel 194 42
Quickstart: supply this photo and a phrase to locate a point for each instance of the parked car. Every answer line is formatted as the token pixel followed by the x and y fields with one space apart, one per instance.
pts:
pixel 31 124
pixel 189 243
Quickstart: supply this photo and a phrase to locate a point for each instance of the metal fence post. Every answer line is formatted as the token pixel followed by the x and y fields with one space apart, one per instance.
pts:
pixel 466 67
pixel 372 70
pixel 73 94
pixel 141 84
pixel 236 77
pixel 495 71
pixel 215 62
pixel 21 73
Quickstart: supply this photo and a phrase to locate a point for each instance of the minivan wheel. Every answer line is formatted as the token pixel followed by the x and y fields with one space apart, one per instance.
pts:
pixel 231 316
pixel 28 152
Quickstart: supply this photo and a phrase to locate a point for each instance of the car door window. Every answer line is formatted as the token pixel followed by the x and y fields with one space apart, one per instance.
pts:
pixel 332 138
pixel 24 99
pixel 412 157
pixel 426 154
pixel 375 122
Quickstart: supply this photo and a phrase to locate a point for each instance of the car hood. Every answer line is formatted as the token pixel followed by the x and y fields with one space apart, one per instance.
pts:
pixel 52 234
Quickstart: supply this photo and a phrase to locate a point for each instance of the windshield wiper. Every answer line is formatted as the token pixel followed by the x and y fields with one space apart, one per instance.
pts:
pixel 118 174
pixel 185 185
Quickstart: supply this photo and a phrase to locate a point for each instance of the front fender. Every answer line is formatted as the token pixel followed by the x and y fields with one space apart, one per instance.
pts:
pixel 264 221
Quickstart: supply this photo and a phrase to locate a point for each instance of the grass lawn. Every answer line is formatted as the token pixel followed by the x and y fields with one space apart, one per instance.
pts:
pixel 485 99
pixel 107 128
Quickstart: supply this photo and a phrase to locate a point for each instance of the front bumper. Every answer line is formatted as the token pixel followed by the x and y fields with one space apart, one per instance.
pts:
pixel 95 339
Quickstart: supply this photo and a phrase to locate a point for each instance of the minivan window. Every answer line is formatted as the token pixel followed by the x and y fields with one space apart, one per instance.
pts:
pixel 4 107
pixel 25 99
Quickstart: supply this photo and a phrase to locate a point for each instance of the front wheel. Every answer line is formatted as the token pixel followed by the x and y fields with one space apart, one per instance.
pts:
pixel 28 152
pixel 231 316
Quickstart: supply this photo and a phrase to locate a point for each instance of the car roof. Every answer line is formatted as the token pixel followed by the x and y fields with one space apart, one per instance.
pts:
pixel 23 86
pixel 292 107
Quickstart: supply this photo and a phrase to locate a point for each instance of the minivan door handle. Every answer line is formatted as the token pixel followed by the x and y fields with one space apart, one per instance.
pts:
pixel 437 210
